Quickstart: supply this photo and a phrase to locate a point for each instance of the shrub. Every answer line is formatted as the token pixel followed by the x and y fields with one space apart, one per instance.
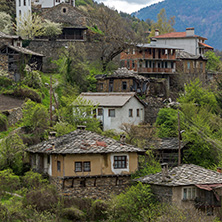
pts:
pixel 33 79
pixel 42 199
pixel 3 123
pixel 33 180
pixel 62 128
pixel 99 210
pixel 73 214
pixel 5 82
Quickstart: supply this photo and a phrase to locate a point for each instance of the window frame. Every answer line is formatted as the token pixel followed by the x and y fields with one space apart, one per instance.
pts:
pixel 88 168
pixel 58 165
pixel 191 193
pixel 110 113
pixel 137 112
pixel 100 111
pixel 120 162
pixel 78 167
pixel 130 112
pixel 124 85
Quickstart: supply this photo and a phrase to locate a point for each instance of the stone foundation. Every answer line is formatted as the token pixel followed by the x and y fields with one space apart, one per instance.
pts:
pixel 95 188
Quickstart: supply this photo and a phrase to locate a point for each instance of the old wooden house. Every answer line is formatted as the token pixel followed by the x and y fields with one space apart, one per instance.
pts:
pixel 85 164
pixel 187 185
pixel 151 60
pixel 14 58
pixel 14 40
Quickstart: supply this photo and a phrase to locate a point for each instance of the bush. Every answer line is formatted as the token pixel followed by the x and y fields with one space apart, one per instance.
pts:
pixel 42 199
pixel 3 123
pixel 73 214
pixel 33 180
pixel 33 79
pixel 63 128
pixel 5 82
pixel 99 210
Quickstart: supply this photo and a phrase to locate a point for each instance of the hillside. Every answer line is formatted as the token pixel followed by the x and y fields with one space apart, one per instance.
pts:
pixel 204 15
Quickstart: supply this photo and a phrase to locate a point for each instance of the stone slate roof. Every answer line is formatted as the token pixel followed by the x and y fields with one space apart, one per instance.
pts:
pixel 156 45
pixel 22 50
pixel 186 174
pixel 113 99
pixel 83 142
pixel 186 55
pixel 166 144
pixel 6 36
pixel 123 73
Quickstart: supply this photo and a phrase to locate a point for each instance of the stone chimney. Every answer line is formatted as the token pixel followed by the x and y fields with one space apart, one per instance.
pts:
pixel 157 32
pixel 165 173
pixel 189 31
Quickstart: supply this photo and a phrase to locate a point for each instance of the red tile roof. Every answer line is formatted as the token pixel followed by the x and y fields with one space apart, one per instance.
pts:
pixel 205 45
pixel 177 35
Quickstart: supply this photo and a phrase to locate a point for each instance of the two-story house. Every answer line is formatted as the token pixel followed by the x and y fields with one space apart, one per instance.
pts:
pixel 114 108
pixel 151 60
pixel 86 164
pixel 187 40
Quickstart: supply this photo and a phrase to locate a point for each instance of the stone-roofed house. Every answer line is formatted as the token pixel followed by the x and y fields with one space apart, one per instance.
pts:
pixel 187 185
pixel 190 42
pixel 14 40
pixel 86 164
pixel 13 58
pixel 114 109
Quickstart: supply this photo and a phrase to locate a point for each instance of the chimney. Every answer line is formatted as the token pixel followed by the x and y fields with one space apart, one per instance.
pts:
pixel 165 173
pixel 157 32
pixel 219 169
pixel 122 138
pixel 189 31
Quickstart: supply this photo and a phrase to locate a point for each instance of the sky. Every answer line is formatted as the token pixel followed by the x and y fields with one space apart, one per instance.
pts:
pixel 128 6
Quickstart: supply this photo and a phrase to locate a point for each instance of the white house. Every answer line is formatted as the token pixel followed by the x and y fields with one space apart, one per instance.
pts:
pixel 52 3
pixel 23 8
pixel 190 42
pixel 114 109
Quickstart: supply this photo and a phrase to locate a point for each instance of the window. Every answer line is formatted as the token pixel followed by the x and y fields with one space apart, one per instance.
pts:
pixel 119 162
pixel 64 10
pixel 82 166
pixel 24 2
pixel 172 65
pixel 189 193
pixel 100 86
pixel 124 85
pixel 20 13
pixel 78 166
pixel 86 166
pixel 58 166
pixel 133 64
pixel 147 64
pixel 201 65
pixel 19 2
pixel 128 64
pixel 138 112
pixel 100 111
pixel 166 65
pixel 188 65
pixel 111 112
pixel 130 112
pixel 48 159
pixel 18 44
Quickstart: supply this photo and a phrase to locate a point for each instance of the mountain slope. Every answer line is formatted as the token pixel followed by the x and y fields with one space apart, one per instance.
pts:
pixel 204 15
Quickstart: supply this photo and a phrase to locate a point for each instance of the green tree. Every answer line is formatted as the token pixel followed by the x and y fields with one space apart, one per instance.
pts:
pixel 73 67
pixel 5 23
pixel 12 151
pixel 162 24
pixel 51 29
pixel 35 117
pixel 214 63
pixel 8 6
pixel 136 204
pixel 30 26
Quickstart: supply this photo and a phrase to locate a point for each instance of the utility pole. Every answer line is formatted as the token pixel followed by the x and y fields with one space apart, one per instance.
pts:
pixel 50 108
pixel 179 148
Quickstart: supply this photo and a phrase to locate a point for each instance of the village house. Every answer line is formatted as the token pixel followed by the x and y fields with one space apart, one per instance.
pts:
pixel 188 41
pixel 192 65
pixel 14 58
pixel 13 40
pixel 72 20
pixel 151 60
pixel 166 150
pixel 86 164
pixel 187 186
pixel 114 109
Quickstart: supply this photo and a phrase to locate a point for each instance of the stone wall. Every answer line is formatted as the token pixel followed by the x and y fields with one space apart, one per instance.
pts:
pixel 13 115
pixel 4 62
pixel 53 49
pixel 162 193
pixel 95 188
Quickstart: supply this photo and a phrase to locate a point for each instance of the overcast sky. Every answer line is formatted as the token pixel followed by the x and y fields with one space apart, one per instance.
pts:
pixel 128 6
